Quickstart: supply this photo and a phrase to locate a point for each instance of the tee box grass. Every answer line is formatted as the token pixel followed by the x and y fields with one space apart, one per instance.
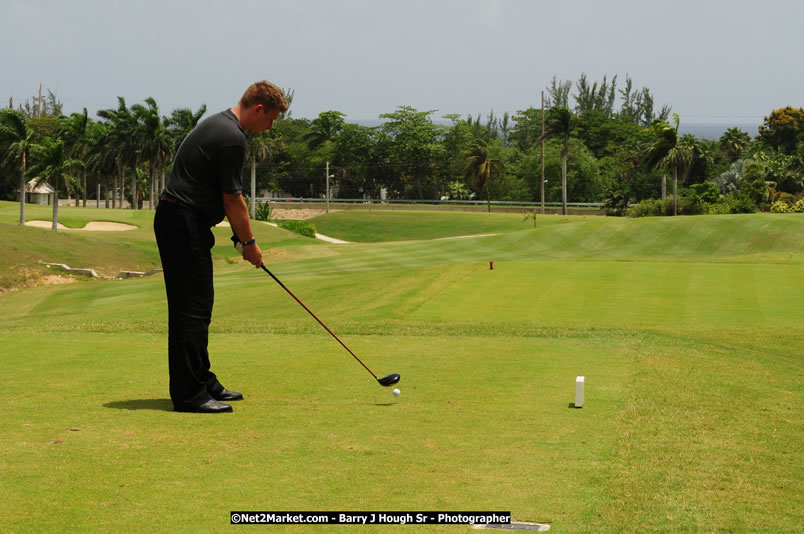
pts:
pixel 686 330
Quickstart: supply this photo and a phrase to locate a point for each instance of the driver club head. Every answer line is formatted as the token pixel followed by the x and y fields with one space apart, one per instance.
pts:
pixel 389 380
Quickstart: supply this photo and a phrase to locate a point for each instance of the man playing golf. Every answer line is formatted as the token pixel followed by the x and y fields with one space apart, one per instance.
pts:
pixel 204 186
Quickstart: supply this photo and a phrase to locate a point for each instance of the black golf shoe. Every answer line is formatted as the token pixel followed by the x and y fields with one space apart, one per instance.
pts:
pixel 226 395
pixel 210 406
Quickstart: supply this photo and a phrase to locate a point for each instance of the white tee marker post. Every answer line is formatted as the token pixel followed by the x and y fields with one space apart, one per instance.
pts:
pixel 579 381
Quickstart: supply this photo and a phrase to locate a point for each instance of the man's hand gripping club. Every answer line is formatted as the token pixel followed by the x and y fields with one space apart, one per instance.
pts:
pixel 249 250
pixel 237 213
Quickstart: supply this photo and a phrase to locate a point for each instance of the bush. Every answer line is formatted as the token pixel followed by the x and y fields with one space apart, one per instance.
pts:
pixel 263 211
pixel 300 227
pixel 699 197
pixel 686 206
pixel 616 201
pixel 741 204
pixel 786 197
pixel 692 205
pixel 730 180
pixel 650 207
pixel 719 208
pixel 780 206
pixel 706 192
pixel 798 207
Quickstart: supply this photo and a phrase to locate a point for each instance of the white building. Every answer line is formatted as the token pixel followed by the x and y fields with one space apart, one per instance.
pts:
pixel 38 194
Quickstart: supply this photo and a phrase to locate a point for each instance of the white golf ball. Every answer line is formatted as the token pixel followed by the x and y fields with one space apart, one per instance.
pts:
pixel 397 393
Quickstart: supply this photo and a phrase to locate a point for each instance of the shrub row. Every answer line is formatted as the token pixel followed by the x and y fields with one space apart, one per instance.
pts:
pixel 653 207
pixel 300 227
pixel 784 206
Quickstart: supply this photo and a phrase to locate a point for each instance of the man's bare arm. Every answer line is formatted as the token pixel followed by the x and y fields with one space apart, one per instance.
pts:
pixel 237 212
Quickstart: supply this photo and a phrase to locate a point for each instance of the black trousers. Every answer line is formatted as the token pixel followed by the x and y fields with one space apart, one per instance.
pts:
pixel 185 242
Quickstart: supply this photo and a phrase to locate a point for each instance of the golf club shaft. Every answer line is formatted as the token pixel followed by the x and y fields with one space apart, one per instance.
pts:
pixel 264 268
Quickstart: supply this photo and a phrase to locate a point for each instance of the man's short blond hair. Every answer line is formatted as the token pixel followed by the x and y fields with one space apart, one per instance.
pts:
pixel 265 93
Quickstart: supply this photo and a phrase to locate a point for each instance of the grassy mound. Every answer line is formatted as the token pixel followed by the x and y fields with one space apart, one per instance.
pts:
pixel 25 247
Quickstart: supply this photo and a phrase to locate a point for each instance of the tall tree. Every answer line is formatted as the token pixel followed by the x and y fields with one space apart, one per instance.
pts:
pixel 20 137
pixel 637 106
pixel 559 124
pixel 558 94
pixel 669 151
pixel 256 151
pixel 527 128
pixel 289 94
pixel 324 128
pixel 122 138
pixel 52 163
pixel 74 133
pixel 733 142
pixel 481 168
pixel 505 128
pixel 357 160
pixel 783 129
pixel 594 97
pixel 413 145
pixel 102 159
pixel 181 123
pixel 154 141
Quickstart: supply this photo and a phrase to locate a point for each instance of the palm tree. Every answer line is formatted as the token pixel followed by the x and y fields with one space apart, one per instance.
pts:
pixel 14 129
pixel 559 123
pixel 102 157
pixel 325 128
pixel 181 122
pixel 257 150
pixel 669 151
pixel 154 140
pixel 733 142
pixel 74 133
pixel 51 164
pixel 122 138
pixel 289 93
pixel 481 167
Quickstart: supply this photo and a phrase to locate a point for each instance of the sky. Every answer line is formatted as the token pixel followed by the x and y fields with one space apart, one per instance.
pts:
pixel 713 61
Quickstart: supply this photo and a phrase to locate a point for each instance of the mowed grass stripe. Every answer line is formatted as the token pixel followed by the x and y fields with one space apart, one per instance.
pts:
pixel 632 294
pixel 608 294
pixel 759 239
pixel 700 236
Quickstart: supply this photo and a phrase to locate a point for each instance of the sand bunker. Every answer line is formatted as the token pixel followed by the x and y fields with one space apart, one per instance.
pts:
pixel 93 226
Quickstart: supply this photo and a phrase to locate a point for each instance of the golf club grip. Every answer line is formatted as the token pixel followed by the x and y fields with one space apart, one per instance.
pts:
pixel 264 268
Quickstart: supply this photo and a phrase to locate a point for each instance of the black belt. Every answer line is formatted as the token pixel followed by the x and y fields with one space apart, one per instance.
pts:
pixel 167 197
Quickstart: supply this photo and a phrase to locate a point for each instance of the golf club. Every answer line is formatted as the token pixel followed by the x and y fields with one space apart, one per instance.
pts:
pixel 386 381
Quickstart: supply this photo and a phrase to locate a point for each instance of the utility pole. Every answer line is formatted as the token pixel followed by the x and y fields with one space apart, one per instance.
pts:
pixel 327 171
pixel 542 152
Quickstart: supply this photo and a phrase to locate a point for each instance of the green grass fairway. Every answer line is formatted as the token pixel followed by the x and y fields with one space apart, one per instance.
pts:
pixel 688 331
